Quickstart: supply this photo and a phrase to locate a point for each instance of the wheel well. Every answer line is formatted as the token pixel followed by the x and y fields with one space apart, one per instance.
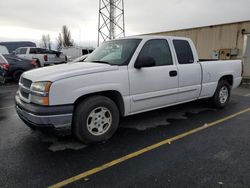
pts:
pixel 228 78
pixel 38 62
pixel 17 70
pixel 113 95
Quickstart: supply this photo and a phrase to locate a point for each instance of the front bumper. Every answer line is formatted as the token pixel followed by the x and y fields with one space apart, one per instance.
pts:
pixel 54 117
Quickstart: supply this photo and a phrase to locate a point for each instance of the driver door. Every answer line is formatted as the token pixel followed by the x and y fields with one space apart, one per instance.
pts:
pixel 157 86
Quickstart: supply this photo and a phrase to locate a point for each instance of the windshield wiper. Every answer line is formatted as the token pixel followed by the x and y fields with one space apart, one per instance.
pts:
pixel 105 62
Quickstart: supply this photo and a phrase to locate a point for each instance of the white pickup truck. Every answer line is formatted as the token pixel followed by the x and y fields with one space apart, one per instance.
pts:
pixel 44 57
pixel 121 78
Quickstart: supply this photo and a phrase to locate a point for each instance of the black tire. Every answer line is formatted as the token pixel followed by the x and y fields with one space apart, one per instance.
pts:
pixel 17 74
pixel 217 101
pixel 82 119
pixel 38 63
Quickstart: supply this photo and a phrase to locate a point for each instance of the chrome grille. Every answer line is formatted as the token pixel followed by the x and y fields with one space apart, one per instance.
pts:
pixel 24 94
pixel 25 82
pixel 24 88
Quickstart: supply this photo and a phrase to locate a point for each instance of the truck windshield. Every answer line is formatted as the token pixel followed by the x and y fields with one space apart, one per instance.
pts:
pixel 117 52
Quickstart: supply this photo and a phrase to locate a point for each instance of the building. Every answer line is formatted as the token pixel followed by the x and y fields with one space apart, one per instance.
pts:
pixel 225 41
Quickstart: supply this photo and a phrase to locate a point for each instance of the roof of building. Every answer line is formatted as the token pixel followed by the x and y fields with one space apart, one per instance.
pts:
pixel 206 26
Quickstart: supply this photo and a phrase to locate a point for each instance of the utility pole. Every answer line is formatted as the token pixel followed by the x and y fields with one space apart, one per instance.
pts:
pixel 111 23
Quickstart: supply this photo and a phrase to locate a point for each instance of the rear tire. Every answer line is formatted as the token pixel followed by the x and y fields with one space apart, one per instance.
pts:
pixel 95 119
pixel 222 94
pixel 38 63
pixel 17 74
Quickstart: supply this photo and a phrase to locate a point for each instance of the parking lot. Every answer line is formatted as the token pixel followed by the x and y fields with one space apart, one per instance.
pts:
pixel 191 145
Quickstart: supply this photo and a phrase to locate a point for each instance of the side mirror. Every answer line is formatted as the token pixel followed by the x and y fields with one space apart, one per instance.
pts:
pixel 144 62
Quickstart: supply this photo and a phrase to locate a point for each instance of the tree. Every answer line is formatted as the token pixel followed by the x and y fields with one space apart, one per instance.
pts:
pixel 59 42
pixel 64 38
pixel 46 42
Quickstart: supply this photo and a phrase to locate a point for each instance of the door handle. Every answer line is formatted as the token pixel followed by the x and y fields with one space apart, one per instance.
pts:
pixel 173 73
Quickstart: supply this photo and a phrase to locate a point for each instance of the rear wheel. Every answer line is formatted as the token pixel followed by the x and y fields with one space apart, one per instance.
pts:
pixel 222 94
pixel 95 119
pixel 38 63
pixel 17 74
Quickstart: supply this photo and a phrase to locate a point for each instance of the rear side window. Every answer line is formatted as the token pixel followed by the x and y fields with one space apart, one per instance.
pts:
pixel 84 52
pixel 159 50
pixel 39 51
pixel 33 50
pixel 183 51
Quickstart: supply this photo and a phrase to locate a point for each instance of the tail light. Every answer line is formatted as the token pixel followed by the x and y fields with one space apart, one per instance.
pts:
pixel 45 57
pixel 5 66
pixel 34 63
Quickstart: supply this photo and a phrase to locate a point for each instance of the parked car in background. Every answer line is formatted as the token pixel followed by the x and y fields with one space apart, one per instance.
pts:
pixel 11 46
pixel 3 68
pixel 44 57
pixel 3 50
pixel 2 78
pixel 75 52
pixel 12 67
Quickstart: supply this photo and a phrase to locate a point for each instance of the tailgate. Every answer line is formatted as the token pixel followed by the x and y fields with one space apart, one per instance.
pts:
pixel 55 58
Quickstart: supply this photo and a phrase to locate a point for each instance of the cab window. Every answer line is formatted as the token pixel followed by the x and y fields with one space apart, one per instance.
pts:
pixel 21 51
pixel 183 51
pixel 159 50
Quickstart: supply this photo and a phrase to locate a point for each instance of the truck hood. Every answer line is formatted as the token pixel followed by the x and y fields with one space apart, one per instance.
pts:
pixel 59 72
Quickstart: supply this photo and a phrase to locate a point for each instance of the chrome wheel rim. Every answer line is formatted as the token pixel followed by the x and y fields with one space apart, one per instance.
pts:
pixel 223 94
pixel 99 121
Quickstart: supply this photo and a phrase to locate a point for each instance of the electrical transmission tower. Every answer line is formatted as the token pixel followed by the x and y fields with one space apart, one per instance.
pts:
pixel 111 20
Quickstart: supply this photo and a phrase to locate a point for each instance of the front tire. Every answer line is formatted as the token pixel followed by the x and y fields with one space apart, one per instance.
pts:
pixel 222 94
pixel 95 119
pixel 17 74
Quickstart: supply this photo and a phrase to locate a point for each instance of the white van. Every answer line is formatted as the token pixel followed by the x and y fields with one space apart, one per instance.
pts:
pixel 75 52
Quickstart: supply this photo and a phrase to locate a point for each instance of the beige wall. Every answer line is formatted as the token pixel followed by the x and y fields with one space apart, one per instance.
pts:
pixel 209 39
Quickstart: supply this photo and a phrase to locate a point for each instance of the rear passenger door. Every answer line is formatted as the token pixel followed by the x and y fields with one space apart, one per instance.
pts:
pixel 189 71
pixel 157 86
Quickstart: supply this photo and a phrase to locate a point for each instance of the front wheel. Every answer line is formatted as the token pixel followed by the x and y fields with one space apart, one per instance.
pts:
pixel 222 94
pixel 17 74
pixel 95 119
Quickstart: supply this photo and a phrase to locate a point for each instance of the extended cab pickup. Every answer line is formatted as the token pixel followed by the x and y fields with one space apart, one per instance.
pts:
pixel 120 78
pixel 44 57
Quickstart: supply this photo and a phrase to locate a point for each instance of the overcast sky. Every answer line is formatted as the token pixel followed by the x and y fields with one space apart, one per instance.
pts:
pixel 29 19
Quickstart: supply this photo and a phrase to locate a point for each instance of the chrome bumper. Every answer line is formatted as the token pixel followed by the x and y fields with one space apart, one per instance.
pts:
pixel 55 121
pixel 57 117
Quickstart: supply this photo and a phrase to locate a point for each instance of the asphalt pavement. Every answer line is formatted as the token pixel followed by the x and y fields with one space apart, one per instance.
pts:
pixel 190 145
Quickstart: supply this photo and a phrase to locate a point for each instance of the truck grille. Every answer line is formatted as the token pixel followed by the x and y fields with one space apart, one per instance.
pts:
pixel 25 85
pixel 25 82
pixel 24 94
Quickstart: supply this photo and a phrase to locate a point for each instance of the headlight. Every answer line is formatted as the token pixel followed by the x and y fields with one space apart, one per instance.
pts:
pixel 40 94
pixel 41 86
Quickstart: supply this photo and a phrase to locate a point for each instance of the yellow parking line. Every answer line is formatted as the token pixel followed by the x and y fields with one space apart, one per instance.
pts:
pixel 142 151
